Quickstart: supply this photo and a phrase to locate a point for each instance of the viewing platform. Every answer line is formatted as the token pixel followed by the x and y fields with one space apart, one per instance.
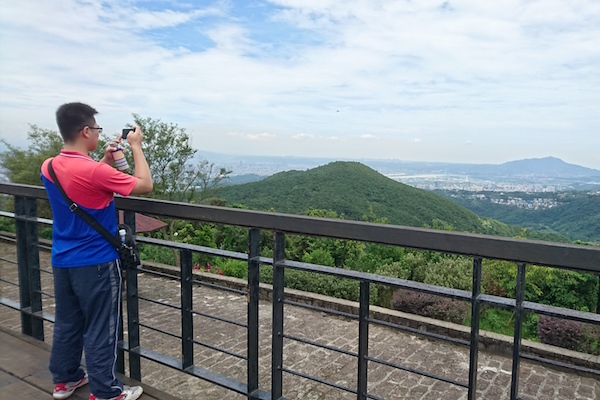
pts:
pixel 30 373
pixel 198 335
pixel 24 371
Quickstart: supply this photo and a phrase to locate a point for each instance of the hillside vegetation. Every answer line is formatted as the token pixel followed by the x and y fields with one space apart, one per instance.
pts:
pixel 577 217
pixel 357 192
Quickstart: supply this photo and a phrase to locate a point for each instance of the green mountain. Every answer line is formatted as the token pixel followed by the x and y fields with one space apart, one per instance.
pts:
pixel 353 190
pixel 577 216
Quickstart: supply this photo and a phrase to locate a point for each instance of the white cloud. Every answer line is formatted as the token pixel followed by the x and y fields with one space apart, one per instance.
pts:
pixel 260 136
pixel 517 70
pixel 303 136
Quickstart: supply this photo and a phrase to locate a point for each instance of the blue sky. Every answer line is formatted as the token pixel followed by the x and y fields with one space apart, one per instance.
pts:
pixel 450 81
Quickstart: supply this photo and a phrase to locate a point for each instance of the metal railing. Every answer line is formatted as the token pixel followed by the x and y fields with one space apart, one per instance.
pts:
pixel 522 252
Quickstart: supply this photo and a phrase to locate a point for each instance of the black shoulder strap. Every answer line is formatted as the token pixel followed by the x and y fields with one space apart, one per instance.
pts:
pixel 85 216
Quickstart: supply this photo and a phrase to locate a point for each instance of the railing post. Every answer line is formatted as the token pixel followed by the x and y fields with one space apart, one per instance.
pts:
pixel 474 345
pixel 516 365
pixel 133 311
pixel 187 318
pixel 363 339
pixel 278 296
pixel 253 292
pixel 28 261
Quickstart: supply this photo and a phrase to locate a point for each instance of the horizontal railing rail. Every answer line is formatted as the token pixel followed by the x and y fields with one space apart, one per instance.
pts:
pixel 522 252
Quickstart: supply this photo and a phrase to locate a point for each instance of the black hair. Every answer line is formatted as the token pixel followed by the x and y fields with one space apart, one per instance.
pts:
pixel 71 118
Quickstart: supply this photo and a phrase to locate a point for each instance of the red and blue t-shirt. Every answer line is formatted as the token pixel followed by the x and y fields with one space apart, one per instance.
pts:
pixel 91 185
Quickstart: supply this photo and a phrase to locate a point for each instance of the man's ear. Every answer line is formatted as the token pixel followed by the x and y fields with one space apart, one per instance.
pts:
pixel 85 132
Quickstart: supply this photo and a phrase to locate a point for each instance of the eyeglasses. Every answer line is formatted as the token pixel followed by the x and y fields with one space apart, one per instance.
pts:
pixel 99 129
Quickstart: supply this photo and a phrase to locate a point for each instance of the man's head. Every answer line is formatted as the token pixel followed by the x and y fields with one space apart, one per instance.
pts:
pixel 73 118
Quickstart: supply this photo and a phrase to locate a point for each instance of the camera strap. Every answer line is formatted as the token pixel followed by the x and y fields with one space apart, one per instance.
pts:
pixel 84 215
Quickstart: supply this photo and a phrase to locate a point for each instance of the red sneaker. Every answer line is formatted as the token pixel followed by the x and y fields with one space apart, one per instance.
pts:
pixel 64 390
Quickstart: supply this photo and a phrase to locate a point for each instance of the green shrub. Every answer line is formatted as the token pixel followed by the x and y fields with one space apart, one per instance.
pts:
pixel 327 285
pixel 45 232
pixel 502 321
pixel 7 224
pixel 156 254
pixel 319 256
pixel 234 268
pixel 454 272
pixel 385 293
pixel 561 288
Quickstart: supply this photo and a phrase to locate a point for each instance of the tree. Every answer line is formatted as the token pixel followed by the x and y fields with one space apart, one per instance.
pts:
pixel 23 166
pixel 177 174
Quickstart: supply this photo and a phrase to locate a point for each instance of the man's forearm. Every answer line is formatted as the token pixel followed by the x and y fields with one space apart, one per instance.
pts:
pixel 142 171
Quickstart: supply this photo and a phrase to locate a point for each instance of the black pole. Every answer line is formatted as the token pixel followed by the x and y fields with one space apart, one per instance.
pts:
pixel 363 340
pixel 133 311
pixel 516 366
pixel 187 318
pixel 474 345
pixel 28 263
pixel 253 292
pixel 278 295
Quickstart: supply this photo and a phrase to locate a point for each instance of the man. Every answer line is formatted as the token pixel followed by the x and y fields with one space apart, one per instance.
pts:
pixel 87 273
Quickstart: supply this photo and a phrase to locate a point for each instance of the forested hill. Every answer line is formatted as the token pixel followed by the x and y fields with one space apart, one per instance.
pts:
pixel 577 216
pixel 352 189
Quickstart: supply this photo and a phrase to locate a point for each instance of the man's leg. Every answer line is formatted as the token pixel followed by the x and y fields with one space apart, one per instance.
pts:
pixel 67 345
pixel 99 291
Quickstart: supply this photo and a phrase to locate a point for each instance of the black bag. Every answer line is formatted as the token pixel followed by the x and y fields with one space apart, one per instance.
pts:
pixel 129 253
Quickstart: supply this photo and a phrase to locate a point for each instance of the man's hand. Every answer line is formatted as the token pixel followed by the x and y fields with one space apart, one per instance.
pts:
pixel 142 171
pixel 108 152
pixel 134 138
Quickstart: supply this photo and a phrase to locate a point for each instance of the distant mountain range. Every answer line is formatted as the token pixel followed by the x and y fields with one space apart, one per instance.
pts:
pixel 547 168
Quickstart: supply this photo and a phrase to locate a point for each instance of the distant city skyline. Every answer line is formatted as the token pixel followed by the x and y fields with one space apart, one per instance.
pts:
pixel 437 81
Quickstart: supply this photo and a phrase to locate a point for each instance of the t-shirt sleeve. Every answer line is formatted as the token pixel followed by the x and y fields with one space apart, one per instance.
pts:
pixel 114 180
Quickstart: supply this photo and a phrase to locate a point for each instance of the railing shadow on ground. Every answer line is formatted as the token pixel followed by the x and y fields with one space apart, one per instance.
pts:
pixel 521 252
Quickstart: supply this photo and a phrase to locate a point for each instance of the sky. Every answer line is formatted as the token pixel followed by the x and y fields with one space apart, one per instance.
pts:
pixel 470 81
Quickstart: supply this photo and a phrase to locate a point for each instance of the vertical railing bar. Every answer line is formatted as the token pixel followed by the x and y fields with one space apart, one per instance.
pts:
pixel 33 262
pixel 23 268
pixel 475 317
pixel 278 296
pixel 253 299
pixel 363 340
pixel 133 311
pixel 516 365
pixel 187 317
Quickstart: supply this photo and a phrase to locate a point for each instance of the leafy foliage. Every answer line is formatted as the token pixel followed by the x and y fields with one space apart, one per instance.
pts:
pixel 176 173
pixel 24 166
pixel 577 216
pixel 7 224
pixel 567 334
pixel 431 306
pixel 562 288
